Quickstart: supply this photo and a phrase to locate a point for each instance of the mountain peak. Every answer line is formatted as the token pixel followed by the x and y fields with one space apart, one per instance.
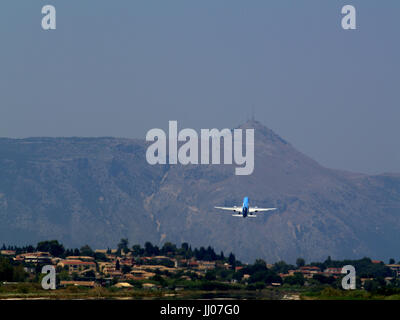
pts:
pixel 252 124
pixel 262 131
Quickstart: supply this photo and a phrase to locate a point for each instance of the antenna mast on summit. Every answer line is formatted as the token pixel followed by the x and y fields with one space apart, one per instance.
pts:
pixel 252 113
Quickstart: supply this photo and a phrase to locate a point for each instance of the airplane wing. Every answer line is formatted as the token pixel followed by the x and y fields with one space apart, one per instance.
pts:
pixel 255 209
pixel 234 209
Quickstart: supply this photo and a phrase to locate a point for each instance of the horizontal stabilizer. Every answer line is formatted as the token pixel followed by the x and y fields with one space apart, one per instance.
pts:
pixel 234 209
pixel 237 215
pixel 255 209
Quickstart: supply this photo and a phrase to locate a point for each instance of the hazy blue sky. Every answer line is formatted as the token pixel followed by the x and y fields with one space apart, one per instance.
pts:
pixel 120 68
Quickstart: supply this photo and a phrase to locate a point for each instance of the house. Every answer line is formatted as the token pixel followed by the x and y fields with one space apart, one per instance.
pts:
pixel 225 265
pixel 77 265
pixel 161 258
pixel 395 268
pixel 128 276
pixel 109 269
pixel 193 264
pixel 139 273
pixel 55 260
pixel 126 262
pixel 284 275
pixel 105 267
pixel 7 252
pixel 206 265
pixel 103 251
pixel 35 257
pixel 83 258
pixel 276 284
pixel 156 267
pixel 115 273
pixel 309 271
pixel 333 271
pixel 388 280
pixel 150 286
pixel 123 285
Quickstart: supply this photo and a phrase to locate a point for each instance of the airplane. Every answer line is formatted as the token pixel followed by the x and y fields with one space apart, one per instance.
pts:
pixel 245 210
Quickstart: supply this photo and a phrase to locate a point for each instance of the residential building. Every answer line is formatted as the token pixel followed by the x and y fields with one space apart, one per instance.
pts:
pixel 7 252
pixel 35 258
pixel 395 268
pixel 77 265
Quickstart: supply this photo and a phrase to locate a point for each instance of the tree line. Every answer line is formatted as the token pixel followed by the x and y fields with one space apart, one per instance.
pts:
pixel 57 249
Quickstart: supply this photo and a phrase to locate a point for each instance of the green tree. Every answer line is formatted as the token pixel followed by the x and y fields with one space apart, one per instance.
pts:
pixel 9 272
pixel 19 274
pixel 221 256
pixel 89 274
pixel 86 251
pixel 137 250
pixel 371 285
pixel 63 275
pixel 168 247
pixel 232 260
pixel 160 280
pixel 296 279
pixel 300 262
pixel 99 256
pixel 185 246
pixel 6 270
pixel 53 247
pixel 323 279
pixel 282 267
pixel 210 275
pixel 123 246
pixel 149 249
pixel 126 269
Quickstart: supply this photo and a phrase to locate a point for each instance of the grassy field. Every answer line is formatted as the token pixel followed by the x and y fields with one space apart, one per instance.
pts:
pixel 34 291
pixel 335 294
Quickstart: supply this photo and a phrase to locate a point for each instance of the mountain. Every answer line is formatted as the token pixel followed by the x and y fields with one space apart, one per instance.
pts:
pixel 97 190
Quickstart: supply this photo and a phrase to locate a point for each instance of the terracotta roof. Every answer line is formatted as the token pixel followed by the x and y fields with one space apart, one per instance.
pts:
pixel 333 270
pixel 8 252
pixel 73 262
pixel 309 268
